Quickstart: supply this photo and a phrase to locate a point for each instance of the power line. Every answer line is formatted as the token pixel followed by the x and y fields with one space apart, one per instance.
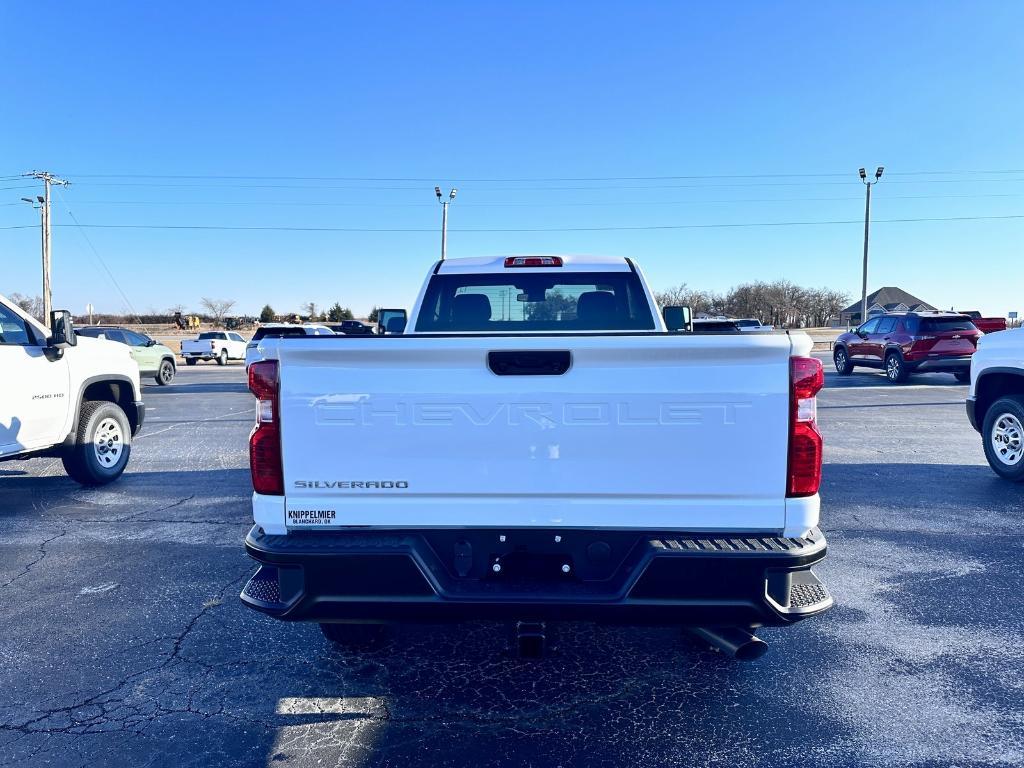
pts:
pixel 518 204
pixel 527 179
pixel 721 225
pixel 99 258
pixel 391 188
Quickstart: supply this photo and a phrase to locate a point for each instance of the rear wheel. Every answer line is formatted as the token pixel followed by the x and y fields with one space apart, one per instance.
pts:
pixel 102 444
pixel 165 375
pixel 222 358
pixel 843 365
pixel 190 361
pixel 1003 437
pixel 356 637
pixel 895 369
pixel 964 377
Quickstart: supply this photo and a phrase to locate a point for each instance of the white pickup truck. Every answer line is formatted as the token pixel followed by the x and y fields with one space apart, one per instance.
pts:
pixel 538 445
pixel 213 345
pixel 995 404
pixel 67 396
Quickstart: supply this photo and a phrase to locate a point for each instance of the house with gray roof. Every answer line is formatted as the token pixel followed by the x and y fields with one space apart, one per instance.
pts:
pixel 888 299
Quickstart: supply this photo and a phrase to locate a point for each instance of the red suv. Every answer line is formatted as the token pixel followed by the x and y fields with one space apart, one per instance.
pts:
pixel 902 343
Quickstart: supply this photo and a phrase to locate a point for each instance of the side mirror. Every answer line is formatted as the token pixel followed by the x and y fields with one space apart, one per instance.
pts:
pixel 386 321
pixel 861 333
pixel 150 342
pixel 677 318
pixel 62 330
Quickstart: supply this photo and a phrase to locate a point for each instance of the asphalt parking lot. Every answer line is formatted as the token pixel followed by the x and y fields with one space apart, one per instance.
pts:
pixel 124 642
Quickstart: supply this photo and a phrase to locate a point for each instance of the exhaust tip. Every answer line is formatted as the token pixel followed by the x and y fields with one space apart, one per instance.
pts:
pixel 735 642
pixel 752 650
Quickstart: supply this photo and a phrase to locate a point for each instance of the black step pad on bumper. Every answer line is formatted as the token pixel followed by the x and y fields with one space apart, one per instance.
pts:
pixel 616 576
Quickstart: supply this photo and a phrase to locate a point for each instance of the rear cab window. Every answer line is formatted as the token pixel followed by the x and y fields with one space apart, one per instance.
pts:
pixel 278 331
pixel 715 326
pixel 534 301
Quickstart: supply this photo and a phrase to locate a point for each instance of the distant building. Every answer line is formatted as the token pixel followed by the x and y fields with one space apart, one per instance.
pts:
pixel 888 299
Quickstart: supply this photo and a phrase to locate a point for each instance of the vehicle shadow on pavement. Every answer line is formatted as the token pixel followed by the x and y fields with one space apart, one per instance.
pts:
pixel 198 388
pixel 872 379
pixel 135 496
pixel 930 497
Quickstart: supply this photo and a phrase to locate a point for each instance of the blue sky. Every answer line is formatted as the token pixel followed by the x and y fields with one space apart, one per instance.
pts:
pixel 771 106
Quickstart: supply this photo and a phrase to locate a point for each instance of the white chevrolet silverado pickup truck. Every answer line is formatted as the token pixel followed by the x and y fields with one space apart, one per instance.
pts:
pixel 213 345
pixel 66 396
pixel 538 445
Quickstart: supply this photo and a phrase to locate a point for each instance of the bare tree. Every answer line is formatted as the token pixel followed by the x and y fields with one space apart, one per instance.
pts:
pixel 29 304
pixel 699 302
pixel 780 303
pixel 217 309
pixel 310 309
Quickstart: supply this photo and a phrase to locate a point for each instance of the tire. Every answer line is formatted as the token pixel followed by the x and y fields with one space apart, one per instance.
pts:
pixel 190 361
pixel 1002 434
pixel 842 362
pixel 102 446
pixel 356 637
pixel 963 377
pixel 222 358
pixel 165 374
pixel 895 369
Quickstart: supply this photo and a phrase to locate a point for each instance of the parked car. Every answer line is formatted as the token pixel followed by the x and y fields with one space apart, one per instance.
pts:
pixel 213 345
pixel 902 343
pixel 74 398
pixel 351 328
pixel 995 402
pixel 986 324
pixel 565 456
pixel 278 330
pixel 152 357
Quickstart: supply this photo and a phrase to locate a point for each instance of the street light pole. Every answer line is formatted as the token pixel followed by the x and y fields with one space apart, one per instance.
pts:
pixel 444 218
pixel 867 232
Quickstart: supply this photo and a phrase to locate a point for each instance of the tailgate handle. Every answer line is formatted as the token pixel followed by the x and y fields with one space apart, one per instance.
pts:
pixel 529 362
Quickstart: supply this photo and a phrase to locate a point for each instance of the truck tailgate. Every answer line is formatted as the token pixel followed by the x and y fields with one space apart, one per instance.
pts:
pixel 667 432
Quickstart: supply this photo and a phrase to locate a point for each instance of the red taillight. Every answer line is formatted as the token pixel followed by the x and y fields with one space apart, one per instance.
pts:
pixel 803 475
pixel 265 440
pixel 533 261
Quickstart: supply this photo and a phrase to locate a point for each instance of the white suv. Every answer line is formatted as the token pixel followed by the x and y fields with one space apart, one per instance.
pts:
pixel 78 401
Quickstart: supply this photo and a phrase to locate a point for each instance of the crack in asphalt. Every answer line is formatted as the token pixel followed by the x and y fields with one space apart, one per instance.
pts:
pixel 106 708
pixel 41 555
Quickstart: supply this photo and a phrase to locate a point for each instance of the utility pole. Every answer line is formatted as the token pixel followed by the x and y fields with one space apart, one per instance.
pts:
pixel 47 178
pixel 867 229
pixel 444 218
